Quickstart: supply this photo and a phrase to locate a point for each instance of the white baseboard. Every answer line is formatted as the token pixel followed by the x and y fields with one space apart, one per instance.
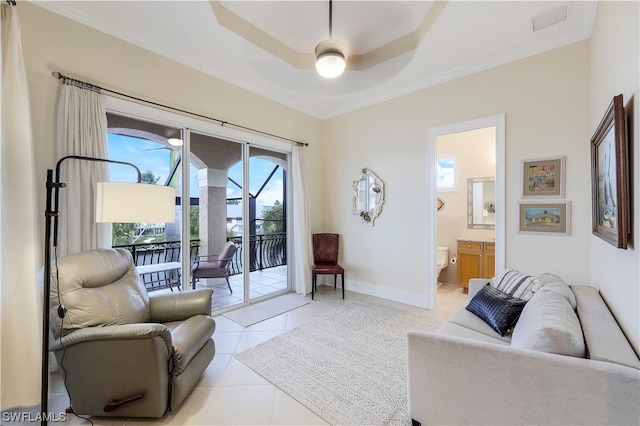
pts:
pixel 402 296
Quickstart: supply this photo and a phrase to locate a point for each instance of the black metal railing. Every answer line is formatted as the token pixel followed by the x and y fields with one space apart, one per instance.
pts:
pixel 266 251
pixel 158 254
pixel 164 252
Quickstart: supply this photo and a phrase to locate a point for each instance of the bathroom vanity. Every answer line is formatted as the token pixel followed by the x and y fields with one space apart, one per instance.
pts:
pixel 476 259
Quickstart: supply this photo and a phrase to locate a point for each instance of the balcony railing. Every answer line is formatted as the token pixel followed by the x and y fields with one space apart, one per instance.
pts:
pixel 165 255
pixel 266 251
pixel 164 252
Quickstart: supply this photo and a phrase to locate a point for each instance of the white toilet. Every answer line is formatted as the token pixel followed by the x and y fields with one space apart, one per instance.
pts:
pixel 442 260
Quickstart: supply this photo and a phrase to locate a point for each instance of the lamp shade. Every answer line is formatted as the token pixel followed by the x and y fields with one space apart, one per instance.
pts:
pixel 122 202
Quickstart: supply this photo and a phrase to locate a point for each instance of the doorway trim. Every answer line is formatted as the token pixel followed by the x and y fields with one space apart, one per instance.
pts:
pixel 497 121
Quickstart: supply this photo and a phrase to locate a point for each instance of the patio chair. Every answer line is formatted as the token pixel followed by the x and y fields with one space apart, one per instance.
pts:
pixel 214 266
pixel 325 260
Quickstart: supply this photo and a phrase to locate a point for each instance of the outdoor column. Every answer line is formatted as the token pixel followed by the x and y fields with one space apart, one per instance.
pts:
pixel 213 210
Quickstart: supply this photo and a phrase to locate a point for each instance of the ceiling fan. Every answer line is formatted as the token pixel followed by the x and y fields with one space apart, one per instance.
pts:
pixel 328 51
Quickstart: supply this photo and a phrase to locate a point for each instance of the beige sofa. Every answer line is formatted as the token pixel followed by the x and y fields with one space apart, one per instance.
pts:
pixel 466 373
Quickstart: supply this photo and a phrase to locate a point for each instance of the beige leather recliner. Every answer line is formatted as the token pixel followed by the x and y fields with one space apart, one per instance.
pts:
pixel 121 352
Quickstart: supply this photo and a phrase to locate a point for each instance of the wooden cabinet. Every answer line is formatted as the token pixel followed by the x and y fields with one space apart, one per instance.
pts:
pixel 476 259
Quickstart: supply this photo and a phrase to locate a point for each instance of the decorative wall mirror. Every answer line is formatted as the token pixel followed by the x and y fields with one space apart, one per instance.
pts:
pixel 481 203
pixel 368 196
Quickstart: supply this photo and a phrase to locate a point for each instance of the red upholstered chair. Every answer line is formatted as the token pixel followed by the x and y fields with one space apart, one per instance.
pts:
pixel 325 259
pixel 214 266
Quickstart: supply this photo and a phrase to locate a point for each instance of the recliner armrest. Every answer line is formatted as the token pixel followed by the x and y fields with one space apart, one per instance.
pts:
pixel 188 338
pixel 138 331
pixel 180 306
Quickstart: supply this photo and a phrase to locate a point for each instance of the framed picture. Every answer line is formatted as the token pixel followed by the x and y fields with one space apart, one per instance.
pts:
pixel 610 177
pixel 543 177
pixel 544 217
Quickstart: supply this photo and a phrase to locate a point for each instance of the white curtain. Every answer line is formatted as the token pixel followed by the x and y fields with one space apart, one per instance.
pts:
pixel 302 259
pixel 81 130
pixel 21 311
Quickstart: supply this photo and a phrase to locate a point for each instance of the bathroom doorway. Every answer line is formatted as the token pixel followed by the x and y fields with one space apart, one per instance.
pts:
pixel 457 152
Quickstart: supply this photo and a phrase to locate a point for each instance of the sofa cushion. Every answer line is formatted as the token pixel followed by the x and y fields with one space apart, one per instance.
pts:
pixel 464 319
pixel 604 338
pixel 514 283
pixel 457 330
pixel 548 323
pixel 554 283
pixel 496 308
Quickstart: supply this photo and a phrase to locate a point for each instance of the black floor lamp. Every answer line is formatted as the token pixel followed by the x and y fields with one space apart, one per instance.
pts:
pixel 119 202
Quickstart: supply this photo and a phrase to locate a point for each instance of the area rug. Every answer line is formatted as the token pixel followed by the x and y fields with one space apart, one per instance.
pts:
pixel 348 366
pixel 254 314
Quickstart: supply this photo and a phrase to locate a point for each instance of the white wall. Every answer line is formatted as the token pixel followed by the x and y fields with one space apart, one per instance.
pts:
pixel 614 71
pixel 546 102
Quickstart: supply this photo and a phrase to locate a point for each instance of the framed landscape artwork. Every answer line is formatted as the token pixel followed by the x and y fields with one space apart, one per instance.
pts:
pixel 610 178
pixel 543 177
pixel 544 217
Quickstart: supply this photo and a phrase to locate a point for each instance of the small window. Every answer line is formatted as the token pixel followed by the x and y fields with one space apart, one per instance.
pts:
pixel 446 174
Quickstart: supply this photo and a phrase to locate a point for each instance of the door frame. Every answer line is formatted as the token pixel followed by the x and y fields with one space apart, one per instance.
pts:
pixel 497 121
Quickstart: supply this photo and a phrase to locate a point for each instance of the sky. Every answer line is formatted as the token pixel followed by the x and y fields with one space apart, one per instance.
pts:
pixel 152 156
pixel 446 176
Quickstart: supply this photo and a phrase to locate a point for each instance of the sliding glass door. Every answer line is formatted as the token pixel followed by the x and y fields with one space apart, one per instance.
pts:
pixel 229 190
pixel 218 215
pixel 156 247
pixel 267 223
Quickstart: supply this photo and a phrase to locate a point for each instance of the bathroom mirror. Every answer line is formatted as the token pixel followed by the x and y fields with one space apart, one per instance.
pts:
pixel 368 196
pixel 481 199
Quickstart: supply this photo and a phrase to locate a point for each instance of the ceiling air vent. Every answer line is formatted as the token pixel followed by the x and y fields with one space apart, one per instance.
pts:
pixel 549 18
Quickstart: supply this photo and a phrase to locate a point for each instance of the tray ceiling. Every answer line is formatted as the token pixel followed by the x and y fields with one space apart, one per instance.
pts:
pixel 396 47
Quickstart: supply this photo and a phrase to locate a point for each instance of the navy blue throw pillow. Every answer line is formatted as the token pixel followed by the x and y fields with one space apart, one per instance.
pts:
pixel 496 308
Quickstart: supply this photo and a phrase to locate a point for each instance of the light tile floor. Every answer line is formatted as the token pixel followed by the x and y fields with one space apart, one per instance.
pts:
pixel 229 393
pixel 261 283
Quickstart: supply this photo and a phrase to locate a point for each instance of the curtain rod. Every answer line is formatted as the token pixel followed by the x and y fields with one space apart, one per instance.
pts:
pixel 11 2
pixel 89 86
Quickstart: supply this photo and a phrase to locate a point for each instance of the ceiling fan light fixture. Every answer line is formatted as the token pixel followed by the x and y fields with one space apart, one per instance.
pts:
pixel 330 59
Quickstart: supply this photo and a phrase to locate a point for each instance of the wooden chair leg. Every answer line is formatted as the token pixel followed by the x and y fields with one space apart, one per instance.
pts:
pixel 343 286
pixel 229 285
pixel 313 284
pixel 335 281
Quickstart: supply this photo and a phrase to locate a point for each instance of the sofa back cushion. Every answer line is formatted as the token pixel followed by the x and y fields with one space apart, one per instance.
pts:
pixel 98 288
pixel 604 338
pixel 548 323
pixel 554 283
pixel 514 283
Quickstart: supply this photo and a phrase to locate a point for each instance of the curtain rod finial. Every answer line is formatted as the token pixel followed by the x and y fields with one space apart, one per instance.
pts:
pixel 57 75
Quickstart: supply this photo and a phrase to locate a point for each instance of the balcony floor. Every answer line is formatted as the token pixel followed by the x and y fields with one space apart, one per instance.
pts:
pixel 262 283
